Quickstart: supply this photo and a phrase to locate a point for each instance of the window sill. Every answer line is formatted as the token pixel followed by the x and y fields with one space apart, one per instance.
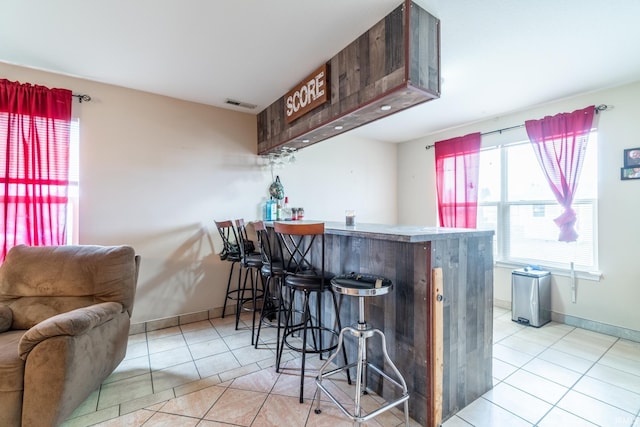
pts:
pixel 594 276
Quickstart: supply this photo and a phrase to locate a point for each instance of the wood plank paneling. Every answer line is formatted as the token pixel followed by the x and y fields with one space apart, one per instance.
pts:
pixel 394 36
pixel 405 318
pixel 369 72
pixel 424 61
pixel 377 43
pixel 468 322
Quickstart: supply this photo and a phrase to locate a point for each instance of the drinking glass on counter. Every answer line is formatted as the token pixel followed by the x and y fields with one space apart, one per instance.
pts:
pixel 350 218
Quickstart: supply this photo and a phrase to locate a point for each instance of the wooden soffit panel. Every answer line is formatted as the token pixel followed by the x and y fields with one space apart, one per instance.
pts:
pixel 393 66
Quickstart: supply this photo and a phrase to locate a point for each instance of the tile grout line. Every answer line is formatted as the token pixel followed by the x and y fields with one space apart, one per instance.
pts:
pixel 585 375
pixel 569 389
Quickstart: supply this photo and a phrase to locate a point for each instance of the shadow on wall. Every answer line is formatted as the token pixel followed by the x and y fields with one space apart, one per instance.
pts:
pixel 190 278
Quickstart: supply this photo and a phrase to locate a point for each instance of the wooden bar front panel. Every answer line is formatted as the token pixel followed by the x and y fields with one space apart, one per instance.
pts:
pixel 405 317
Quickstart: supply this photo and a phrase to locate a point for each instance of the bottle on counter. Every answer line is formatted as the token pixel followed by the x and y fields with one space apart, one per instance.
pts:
pixel 266 211
pixel 286 210
pixel 272 216
pixel 279 216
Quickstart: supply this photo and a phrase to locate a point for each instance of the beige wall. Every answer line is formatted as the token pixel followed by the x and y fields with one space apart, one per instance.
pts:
pixel 614 299
pixel 155 172
pixel 345 172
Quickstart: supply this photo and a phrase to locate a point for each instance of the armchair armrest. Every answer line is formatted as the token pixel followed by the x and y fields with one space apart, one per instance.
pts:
pixel 71 323
pixel 6 317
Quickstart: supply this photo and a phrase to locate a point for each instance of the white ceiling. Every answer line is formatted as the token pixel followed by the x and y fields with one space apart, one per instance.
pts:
pixel 498 56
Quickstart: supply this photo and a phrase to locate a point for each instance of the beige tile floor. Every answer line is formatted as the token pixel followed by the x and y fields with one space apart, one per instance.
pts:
pixel 207 374
pixel 557 376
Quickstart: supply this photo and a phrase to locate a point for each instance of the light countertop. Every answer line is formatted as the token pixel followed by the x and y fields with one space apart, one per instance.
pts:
pixel 400 233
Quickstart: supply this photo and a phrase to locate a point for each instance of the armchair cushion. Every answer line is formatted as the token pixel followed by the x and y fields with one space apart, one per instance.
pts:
pixel 72 323
pixel 29 311
pixel 6 318
pixel 66 278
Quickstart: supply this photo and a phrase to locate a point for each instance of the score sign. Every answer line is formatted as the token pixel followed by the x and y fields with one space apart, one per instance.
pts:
pixel 307 95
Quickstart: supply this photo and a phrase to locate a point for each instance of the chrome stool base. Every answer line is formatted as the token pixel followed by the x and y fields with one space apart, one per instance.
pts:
pixel 362 332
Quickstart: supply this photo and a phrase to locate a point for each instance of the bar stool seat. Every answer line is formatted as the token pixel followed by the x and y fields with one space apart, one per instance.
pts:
pixel 362 286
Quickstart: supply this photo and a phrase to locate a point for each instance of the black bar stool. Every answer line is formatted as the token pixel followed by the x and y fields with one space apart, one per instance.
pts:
pixel 272 271
pixel 230 253
pixel 302 248
pixel 251 263
pixel 361 286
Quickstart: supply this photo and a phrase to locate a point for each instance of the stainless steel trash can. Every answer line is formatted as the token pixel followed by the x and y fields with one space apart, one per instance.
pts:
pixel 531 296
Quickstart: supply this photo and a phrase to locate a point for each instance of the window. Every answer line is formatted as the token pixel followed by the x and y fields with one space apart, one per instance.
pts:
pixel 73 188
pixel 74 178
pixel 515 201
pixel 34 140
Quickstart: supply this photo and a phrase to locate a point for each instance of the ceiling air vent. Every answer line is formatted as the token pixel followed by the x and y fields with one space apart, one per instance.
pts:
pixel 240 104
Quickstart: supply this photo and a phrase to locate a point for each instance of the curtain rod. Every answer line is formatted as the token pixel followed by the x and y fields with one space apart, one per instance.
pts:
pixel 82 97
pixel 601 107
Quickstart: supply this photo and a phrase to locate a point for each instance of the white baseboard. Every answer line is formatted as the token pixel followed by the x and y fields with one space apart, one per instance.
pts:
pixel 181 319
pixel 591 325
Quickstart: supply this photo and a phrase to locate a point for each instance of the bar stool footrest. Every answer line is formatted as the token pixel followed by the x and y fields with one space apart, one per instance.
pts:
pixel 362 364
pixel 310 330
pixel 378 411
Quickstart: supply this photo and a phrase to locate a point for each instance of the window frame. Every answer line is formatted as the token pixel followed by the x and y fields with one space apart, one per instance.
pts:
pixel 73 192
pixel 502 208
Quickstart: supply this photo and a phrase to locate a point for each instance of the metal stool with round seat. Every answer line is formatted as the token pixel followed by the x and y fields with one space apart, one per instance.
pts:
pixel 362 286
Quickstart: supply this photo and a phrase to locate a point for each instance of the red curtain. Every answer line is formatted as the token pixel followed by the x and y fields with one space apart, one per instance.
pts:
pixel 560 143
pixel 34 142
pixel 457 170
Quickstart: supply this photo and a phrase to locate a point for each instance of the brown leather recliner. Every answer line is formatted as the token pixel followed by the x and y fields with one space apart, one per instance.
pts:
pixel 64 325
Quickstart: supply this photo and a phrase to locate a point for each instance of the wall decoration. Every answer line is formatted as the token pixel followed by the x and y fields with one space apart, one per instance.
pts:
pixel 630 173
pixel 632 157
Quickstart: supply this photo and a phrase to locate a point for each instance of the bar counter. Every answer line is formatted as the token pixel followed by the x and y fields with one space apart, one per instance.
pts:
pixel 407 255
